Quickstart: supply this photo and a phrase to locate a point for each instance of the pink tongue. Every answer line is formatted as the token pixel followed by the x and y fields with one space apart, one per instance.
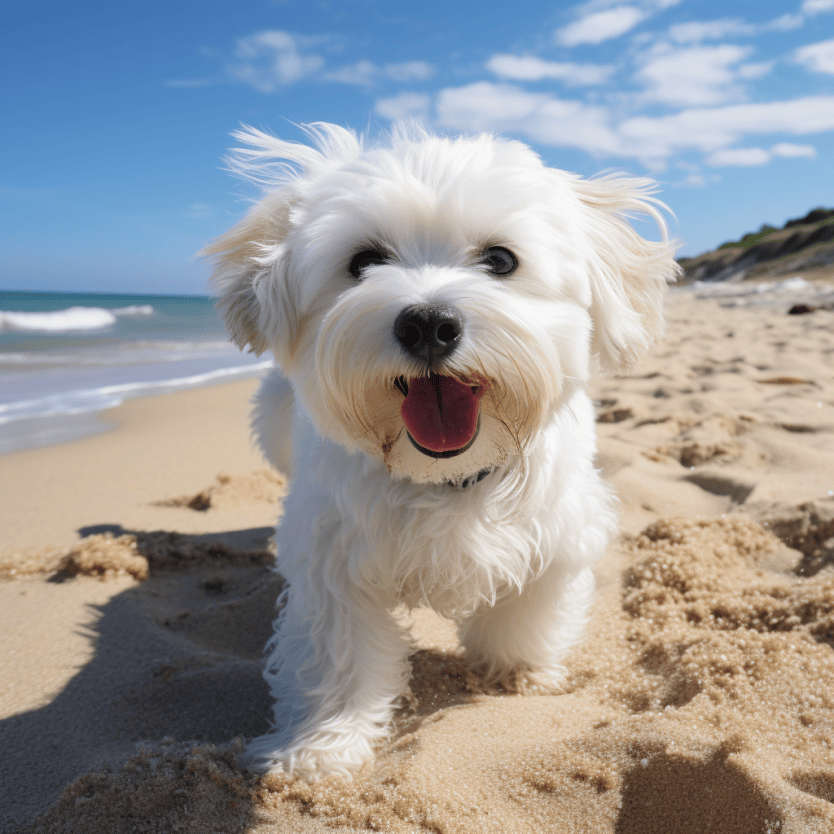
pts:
pixel 440 413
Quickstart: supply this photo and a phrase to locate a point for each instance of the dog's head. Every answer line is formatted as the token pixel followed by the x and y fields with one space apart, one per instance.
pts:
pixel 434 301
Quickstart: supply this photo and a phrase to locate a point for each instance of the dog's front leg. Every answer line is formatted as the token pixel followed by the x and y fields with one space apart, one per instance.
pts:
pixel 521 640
pixel 336 667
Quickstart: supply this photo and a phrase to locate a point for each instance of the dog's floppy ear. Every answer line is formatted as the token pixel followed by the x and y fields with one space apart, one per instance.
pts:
pixel 255 296
pixel 627 272
pixel 248 276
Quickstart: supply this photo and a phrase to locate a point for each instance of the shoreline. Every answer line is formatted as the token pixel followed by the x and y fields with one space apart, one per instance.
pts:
pixel 84 410
pixel 153 448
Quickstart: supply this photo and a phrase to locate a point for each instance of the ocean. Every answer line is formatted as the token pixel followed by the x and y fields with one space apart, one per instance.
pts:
pixel 65 357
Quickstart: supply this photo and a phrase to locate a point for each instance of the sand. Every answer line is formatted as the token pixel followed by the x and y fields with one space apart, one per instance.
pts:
pixel 136 596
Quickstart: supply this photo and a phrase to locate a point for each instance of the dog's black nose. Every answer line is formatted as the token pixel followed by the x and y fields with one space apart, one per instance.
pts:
pixel 429 331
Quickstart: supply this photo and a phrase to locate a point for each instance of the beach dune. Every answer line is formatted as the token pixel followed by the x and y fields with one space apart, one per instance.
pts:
pixel 136 597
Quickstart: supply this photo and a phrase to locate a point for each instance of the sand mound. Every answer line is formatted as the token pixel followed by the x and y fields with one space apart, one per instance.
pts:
pixel 106 556
pixel 699 702
pixel 230 490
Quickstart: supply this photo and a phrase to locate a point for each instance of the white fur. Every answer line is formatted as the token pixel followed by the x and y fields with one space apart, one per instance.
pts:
pixel 371 522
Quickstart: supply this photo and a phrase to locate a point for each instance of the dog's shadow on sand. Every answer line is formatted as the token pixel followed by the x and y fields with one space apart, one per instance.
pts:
pixel 176 657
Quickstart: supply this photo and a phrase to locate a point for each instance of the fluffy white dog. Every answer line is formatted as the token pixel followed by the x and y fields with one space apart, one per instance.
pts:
pixel 436 307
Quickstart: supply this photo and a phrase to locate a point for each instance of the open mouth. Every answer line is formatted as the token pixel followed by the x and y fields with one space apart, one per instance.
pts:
pixel 442 415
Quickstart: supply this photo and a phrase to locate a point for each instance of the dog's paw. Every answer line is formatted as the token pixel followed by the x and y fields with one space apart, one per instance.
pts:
pixel 523 681
pixel 532 682
pixel 312 758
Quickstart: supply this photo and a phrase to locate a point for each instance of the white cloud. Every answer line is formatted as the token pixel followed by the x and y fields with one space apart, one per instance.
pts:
pixel 791 150
pixel 813 7
pixel 785 23
pixel 530 68
pixel 538 116
pixel 694 75
pixel 404 107
pixel 748 157
pixel 758 70
pixel 693 181
pixel 817 57
pixel 409 71
pixel 713 129
pixel 367 73
pixel 599 26
pixel 549 120
pixel 273 59
pixel 726 27
pixel 744 157
pixel 698 31
pixel 362 72
pixel 486 106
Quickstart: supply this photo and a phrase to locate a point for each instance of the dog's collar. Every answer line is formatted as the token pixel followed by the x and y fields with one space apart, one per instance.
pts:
pixel 472 479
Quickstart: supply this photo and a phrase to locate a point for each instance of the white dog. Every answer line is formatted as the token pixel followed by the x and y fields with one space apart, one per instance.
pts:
pixel 436 307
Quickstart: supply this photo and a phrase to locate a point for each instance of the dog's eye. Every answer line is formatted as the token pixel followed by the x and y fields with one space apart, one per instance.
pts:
pixel 362 260
pixel 499 261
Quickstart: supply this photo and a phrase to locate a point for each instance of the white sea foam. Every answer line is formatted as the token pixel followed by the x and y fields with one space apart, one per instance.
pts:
pixel 71 320
pixel 127 353
pixel 731 289
pixel 135 310
pixel 110 396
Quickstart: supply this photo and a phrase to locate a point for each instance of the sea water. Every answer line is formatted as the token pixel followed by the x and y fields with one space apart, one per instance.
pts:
pixel 64 357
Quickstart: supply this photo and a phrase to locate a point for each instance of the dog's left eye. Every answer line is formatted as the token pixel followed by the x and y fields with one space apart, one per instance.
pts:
pixel 499 261
pixel 362 260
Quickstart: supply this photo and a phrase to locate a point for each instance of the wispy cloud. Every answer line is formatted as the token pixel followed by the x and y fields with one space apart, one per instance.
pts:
pixel 817 57
pixel 743 157
pixel 546 119
pixel 749 157
pixel 791 150
pixel 694 75
pixel 531 68
pixel 713 30
pixel 361 72
pixel 597 27
pixel 367 73
pixel 273 59
pixel 812 7
pixel 405 107
pixel 703 30
pixel 718 128
pixel 539 116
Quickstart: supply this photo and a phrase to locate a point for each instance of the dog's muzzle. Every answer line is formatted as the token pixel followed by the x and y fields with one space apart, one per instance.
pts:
pixel 441 414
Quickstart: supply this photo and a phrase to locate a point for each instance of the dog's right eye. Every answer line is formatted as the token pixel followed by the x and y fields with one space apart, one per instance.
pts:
pixel 362 260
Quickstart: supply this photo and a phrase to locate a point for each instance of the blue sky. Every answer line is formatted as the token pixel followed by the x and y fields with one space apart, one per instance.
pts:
pixel 116 115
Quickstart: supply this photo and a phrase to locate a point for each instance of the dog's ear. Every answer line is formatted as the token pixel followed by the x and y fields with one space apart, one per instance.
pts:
pixel 255 296
pixel 249 276
pixel 627 272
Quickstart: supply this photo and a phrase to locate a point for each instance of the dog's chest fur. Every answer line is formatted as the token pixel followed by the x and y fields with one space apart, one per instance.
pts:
pixel 439 545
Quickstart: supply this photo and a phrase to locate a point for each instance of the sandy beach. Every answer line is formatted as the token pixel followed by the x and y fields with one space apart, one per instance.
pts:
pixel 136 595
